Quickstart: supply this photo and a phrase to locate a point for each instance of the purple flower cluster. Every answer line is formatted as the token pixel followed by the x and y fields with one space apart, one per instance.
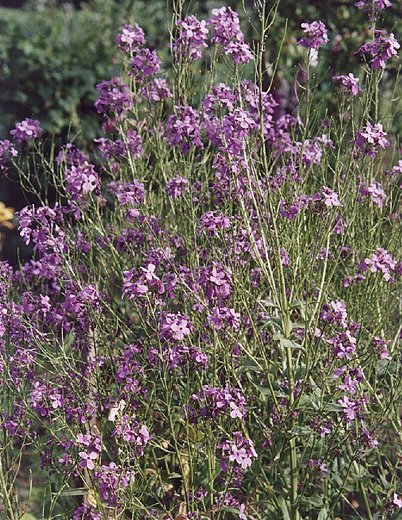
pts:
pixel 315 35
pixel 212 403
pixel 371 139
pixel 177 187
pixel 114 98
pixel 378 4
pixel 349 82
pixel 144 63
pixel 81 180
pixel 26 130
pixel 7 151
pixel 183 128
pixel 380 261
pixel 112 480
pixel 382 49
pixel 130 37
pixel 239 451
pixel 191 38
pixel 131 431
pixel 175 293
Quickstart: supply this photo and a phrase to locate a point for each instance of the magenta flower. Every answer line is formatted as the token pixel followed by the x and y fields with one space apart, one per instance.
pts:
pixel 350 408
pixel 316 35
pixel 240 451
pixel 380 261
pixel 177 187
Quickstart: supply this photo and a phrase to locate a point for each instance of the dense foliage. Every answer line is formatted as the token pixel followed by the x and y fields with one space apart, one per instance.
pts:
pixel 210 325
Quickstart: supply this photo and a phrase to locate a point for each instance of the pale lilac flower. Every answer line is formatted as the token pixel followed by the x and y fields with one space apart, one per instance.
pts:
pixel 397 501
pixel 316 35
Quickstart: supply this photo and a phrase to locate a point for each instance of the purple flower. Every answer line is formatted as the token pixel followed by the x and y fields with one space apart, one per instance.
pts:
pixel 26 130
pixel 71 155
pixel 329 197
pixel 397 169
pixel 239 50
pixel 378 4
pixel 87 459
pixel 382 49
pixel 316 35
pixel 81 180
pixel 226 26
pixel 183 128
pixel 213 402
pixel 215 281
pixel 212 221
pixel 112 480
pixel 86 512
pixel 7 150
pixel 175 327
pixel 371 138
pixel 130 37
pixel 375 191
pixel 133 432
pixel 144 63
pixel 223 317
pixel 114 97
pixel 128 193
pixel 177 186
pixel 350 83
pixel 240 451
pixel 335 312
pixel 156 90
pixel 191 38
pixel 380 261
pixel 350 408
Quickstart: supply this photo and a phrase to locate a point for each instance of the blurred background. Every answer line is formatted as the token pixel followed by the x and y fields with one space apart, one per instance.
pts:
pixel 54 52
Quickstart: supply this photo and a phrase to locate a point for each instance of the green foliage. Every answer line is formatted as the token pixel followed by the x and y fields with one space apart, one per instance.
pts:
pixel 51 59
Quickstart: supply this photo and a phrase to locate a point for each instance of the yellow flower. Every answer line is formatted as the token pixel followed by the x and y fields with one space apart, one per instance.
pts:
pixel 6 214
